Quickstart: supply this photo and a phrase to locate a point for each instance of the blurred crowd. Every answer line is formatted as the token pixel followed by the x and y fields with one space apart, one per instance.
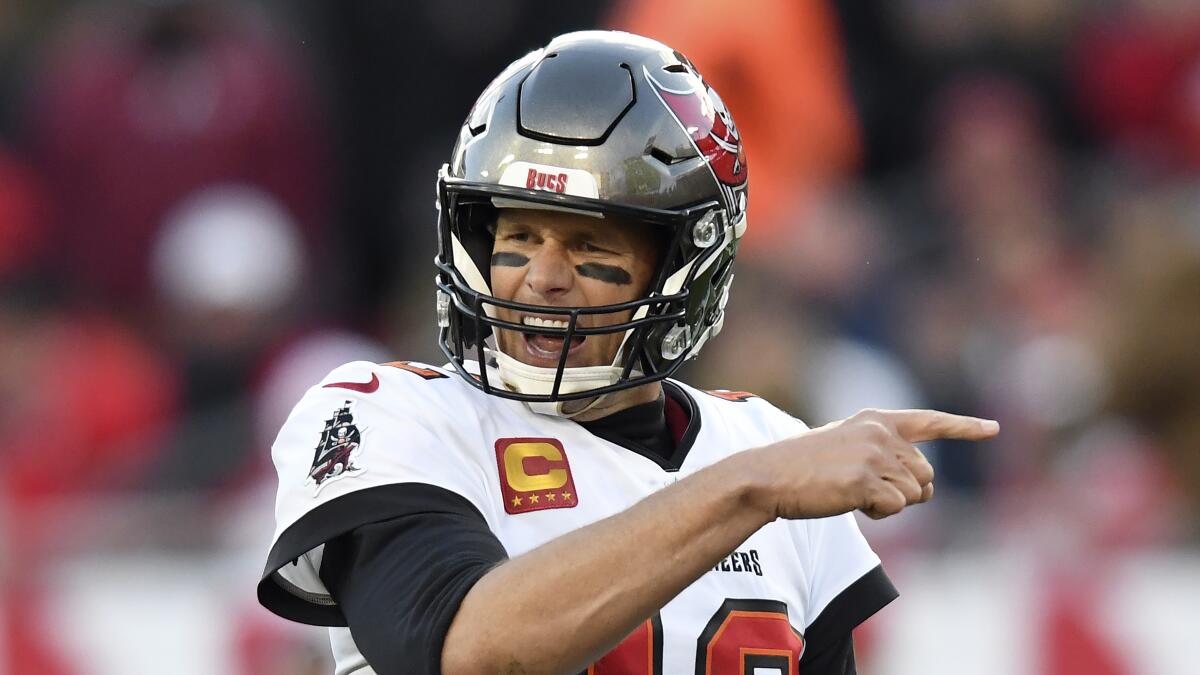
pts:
pixel 988 207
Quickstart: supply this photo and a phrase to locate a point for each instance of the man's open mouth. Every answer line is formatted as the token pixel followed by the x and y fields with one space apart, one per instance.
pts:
pixel 548 346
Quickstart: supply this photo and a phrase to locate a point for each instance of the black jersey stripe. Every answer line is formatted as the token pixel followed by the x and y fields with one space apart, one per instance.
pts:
pixel 334 518
pixel 861 599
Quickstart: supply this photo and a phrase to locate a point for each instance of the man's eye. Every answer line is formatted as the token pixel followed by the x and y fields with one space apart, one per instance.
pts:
pixel 517 236
pixel 593 248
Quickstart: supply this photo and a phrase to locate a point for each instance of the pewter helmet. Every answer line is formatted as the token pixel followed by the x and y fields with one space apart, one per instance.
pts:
pixel 609 124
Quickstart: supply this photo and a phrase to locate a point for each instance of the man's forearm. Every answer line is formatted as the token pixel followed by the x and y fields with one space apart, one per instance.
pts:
pixel 671 538
pixel 864 462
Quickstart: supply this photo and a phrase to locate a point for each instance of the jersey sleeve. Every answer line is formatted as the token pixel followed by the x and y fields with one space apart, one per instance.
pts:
pixel 368 444
pixel 847 583
pixel 399 583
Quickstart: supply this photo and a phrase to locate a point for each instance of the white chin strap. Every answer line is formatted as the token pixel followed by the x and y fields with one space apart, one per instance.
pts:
pixel 527 379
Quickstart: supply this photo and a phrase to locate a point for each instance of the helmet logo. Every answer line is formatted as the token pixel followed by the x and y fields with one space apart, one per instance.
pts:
pixel 546 181
pixel 705 118
pixel 560 179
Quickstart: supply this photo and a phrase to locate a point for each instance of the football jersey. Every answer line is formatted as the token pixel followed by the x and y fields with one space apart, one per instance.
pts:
pixel 368 428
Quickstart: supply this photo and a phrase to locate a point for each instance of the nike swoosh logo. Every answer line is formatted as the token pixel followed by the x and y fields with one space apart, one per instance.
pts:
pixel 364 387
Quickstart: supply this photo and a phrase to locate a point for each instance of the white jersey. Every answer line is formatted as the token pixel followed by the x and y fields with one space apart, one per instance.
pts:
pixel 367 428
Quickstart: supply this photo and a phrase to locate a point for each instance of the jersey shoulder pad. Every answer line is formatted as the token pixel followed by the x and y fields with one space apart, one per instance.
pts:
pixel 748 410
pixel 402 386
pixel 365 425
pixel 366 377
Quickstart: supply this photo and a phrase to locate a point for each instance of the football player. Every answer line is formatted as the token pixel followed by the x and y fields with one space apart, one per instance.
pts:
pixel 550 501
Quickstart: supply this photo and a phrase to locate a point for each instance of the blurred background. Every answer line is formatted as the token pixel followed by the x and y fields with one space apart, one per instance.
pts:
pixel 984 206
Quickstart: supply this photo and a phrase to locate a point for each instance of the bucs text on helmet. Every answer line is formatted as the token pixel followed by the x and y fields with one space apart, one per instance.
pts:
pixel 608 124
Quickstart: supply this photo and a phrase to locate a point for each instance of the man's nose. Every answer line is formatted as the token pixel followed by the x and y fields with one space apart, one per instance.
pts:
pixel 550 274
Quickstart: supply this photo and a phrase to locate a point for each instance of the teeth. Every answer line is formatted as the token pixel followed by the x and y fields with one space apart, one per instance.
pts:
pixel 544 323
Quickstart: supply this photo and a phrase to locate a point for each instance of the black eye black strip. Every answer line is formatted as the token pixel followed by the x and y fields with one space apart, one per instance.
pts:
pixel 608 273
pixel 504 259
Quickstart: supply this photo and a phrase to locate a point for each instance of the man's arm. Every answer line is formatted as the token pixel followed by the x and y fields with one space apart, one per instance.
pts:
pixel 674 536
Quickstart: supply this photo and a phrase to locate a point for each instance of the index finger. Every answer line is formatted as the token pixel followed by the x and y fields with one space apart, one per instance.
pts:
pixel 916 426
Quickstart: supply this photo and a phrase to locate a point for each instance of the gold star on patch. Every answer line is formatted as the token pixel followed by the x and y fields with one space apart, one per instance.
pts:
pixel 516 501
pixel 533 499
pixel 566 495
pixel 550 496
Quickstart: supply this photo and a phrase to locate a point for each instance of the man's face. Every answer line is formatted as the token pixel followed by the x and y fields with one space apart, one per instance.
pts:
pixel 560 259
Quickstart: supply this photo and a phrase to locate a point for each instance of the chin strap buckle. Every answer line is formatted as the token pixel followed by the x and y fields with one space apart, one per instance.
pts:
pixel 443 309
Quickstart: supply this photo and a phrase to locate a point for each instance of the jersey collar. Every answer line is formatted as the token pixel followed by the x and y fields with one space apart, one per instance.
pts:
pixel 651 429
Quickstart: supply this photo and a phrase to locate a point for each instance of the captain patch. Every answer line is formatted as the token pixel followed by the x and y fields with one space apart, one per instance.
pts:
pixel 534 475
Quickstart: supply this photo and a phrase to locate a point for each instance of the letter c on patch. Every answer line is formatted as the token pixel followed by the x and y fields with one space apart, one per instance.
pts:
pixel 538 474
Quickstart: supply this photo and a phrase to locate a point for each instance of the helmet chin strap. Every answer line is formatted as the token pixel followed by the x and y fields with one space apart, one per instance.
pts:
pixel 527 379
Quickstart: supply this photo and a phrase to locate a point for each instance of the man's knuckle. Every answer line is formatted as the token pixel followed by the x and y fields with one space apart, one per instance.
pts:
pixel 868 415
pixel 934 424
pixel 876 431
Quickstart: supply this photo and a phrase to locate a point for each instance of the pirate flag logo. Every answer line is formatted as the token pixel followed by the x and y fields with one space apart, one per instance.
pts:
pixel 339 439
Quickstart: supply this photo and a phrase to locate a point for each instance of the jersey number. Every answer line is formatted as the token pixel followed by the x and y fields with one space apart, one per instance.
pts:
pixel 743 636
pixel 638 654
pixel 427 373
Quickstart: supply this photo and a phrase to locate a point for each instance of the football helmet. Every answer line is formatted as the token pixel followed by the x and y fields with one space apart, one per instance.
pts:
pixel 612 125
